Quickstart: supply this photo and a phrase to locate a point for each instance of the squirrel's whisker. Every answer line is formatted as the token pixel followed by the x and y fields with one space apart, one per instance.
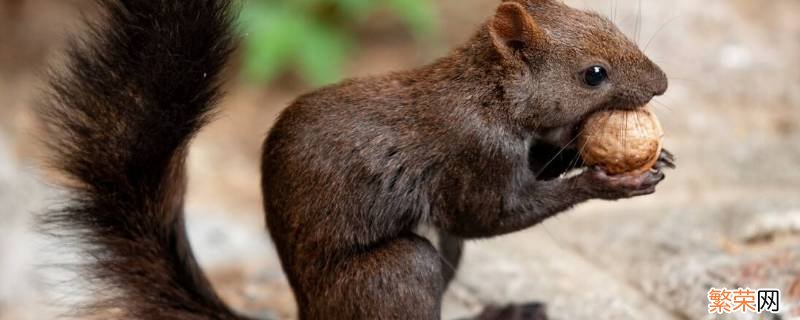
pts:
pixel 655 34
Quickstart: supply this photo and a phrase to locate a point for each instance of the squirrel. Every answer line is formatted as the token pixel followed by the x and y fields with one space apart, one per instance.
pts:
pixel 473 144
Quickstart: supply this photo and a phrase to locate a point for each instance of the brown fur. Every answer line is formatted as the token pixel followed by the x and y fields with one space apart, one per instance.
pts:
pixel 470 144
pixel 349 171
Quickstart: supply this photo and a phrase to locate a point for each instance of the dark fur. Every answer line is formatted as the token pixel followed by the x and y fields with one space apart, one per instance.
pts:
pixel 349 171
pixel 120 119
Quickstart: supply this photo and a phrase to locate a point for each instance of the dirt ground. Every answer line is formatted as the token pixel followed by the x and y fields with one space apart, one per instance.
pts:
pixel 728 217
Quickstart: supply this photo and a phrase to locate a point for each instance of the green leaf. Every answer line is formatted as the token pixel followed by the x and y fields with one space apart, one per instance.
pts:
pixel 323 53
pixel 284 35
pixel 357 8
pixel 269 39
pixel 420 15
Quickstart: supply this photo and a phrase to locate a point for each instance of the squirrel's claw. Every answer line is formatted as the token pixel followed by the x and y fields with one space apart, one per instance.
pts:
pixel 665 160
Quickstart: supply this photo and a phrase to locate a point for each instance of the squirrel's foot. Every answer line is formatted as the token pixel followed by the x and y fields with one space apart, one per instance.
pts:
pixel 529 311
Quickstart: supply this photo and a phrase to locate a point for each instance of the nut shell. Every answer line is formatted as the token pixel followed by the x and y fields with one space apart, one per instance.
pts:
pixel 622 141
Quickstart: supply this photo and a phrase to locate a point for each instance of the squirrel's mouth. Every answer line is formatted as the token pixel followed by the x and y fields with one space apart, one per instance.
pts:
pixel 555 152
pixel 555 147
pixel 564 136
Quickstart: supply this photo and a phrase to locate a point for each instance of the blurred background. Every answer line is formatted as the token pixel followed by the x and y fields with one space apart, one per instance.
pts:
pixel 728 217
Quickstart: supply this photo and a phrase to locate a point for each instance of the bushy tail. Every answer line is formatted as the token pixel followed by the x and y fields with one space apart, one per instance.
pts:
pixel 119 121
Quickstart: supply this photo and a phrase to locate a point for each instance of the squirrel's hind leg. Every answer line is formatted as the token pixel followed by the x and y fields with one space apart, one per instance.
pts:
pixel 398 279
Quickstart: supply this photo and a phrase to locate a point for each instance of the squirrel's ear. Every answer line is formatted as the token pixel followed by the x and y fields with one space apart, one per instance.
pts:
pixel 513 28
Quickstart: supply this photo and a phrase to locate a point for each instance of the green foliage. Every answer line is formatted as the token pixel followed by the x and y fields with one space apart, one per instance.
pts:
pixel 314 37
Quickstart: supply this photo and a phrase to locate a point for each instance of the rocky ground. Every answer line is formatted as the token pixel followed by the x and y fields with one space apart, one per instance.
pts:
pixel 728 217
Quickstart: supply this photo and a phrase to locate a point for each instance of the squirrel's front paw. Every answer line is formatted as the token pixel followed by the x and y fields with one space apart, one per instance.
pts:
pixel 601 185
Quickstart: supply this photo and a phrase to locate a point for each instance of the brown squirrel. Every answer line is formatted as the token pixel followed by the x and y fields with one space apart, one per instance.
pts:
pixel 470 144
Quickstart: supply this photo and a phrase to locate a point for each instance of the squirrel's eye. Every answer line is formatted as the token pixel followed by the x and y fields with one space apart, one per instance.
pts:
pixel 595 76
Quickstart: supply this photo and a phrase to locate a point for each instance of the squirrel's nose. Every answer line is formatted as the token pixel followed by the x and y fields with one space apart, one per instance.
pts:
pixel 660 85
pixel 658 82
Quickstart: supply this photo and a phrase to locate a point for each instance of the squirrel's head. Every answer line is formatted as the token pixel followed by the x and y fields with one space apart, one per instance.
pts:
pixel 567 63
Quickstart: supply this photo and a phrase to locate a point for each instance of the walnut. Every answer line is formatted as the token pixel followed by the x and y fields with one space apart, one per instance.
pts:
pixel 622 141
